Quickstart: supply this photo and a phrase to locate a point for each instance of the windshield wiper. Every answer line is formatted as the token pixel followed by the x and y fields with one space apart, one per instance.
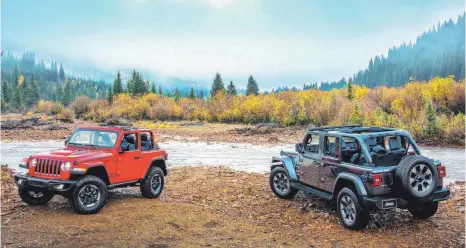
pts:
pixel 79 144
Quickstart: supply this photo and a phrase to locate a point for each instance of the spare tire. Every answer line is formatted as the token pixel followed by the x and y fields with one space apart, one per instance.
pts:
pixel 416 178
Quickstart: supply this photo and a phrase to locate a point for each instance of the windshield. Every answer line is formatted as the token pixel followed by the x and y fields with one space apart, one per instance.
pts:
pixel 96 138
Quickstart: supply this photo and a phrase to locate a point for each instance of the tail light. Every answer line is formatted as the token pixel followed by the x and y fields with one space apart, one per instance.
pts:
pixel 376 179
pixel 442 171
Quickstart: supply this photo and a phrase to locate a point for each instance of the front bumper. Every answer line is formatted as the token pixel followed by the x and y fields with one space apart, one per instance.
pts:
pixel 50 184
pixel 387 202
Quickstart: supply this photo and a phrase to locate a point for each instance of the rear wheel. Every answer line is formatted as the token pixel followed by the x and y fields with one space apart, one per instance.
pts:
pixel 152 185
pixel 423 210
pixel 280 184
pixel 35 196
pixel 89 196
pixel 352 215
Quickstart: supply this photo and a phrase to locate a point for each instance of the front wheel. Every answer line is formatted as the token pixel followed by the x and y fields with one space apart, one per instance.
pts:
pixel 152 185
pixel 423 210
pixel 35 196
pixel 280 184
pixel 352 215
pixel 89 196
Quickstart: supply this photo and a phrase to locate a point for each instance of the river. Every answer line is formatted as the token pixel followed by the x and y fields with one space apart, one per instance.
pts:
pixel 244 157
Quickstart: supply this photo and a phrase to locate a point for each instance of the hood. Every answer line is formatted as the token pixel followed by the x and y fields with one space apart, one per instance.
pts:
pixel 79 155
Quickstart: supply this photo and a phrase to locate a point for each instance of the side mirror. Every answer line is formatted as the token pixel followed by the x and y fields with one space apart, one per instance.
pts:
pixel 299 147
pixel 124 147
pixel 67 139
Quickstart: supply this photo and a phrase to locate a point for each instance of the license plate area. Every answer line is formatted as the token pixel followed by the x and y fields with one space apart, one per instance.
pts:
pixel 37 184
pixel 392 203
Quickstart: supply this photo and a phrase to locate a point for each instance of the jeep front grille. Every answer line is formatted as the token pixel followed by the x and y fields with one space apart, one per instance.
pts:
pixel 48 167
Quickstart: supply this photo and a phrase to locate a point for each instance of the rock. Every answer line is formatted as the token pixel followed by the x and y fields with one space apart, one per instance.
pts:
pixel 461 209
pixel 193 123
pixel 268 125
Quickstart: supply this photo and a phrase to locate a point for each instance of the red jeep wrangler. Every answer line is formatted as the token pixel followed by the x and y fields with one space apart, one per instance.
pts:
pixel 94 160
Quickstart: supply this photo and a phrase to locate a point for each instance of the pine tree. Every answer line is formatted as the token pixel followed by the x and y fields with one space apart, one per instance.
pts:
pixel 432 127
pixel 34 95
pixel 350 89
pixel 6 91
pixel 191 93
pixel 252 88
pixel 152 89
pixel 17 101
pixel 217 85
pixel 61 74
pixel 177 95
pixel 201 94
pixel 136 85
pixel 67 96
pixel 25 94
pixel 53 95
pixel 110 96
pixel 231 89
pixel 117 85
pixel 160 90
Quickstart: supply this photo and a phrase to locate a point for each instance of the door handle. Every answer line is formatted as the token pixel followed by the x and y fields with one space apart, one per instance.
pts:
pixel 137 157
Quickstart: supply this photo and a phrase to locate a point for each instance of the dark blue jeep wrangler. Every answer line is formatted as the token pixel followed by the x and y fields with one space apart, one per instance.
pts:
pixel 362 168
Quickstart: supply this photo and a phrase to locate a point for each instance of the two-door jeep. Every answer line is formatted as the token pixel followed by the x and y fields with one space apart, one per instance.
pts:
pixel 95 159
pixel 362 168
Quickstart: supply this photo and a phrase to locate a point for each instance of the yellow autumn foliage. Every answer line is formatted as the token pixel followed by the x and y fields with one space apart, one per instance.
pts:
pixel 394 107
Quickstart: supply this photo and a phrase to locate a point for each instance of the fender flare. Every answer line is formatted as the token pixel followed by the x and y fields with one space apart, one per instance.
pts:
pixel 359 185
pixel 101 164
pixel 165 171
pixel 287 163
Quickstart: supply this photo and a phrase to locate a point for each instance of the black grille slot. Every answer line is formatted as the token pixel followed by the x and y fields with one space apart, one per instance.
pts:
pixel 48 167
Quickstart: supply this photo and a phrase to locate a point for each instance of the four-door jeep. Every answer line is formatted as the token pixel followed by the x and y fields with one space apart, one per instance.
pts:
pixel 94 160
pixel 362 168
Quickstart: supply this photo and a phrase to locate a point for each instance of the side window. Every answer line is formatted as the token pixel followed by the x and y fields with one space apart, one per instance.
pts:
pixel 132 140
pixel 312 143
pixel 146 141
pixel 332 146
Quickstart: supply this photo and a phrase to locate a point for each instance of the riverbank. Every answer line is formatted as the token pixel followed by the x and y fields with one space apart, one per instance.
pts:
pixel 173 131
pixel 221 208
pixel 166 131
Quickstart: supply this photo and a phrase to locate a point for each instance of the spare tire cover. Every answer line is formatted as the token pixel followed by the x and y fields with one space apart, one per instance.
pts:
pixel 416 177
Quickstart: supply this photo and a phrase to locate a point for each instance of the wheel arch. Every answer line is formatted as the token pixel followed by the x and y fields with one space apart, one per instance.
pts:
pixel 349 180
pixel 97 170
pixel 287 163
pixel 157 162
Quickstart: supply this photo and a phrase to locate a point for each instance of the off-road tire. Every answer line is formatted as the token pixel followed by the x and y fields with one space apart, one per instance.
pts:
pixel 27 197
pixel 288 191
pixel 150 187
pixel 402 178
pixel 423 210
pixel 84 185
pixel 360 215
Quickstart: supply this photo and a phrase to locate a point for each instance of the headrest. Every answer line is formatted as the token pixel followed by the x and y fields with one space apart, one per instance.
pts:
pixel 144 137
pixel 394 143
pixel 372 141
pixel 130 139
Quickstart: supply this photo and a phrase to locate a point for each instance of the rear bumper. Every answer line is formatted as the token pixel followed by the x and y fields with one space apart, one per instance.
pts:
pixel 53 185
pixel 387 202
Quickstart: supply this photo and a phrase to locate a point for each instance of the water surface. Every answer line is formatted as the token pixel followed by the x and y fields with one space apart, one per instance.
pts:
pixel 243 157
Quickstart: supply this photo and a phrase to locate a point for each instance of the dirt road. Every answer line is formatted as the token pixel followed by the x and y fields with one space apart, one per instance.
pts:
pixel 220 208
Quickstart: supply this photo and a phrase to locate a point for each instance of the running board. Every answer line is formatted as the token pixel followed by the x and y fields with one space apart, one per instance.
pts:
pixel 124 184
pixel 314 191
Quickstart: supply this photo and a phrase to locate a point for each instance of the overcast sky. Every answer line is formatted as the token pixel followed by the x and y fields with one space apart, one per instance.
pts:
pixel 309 40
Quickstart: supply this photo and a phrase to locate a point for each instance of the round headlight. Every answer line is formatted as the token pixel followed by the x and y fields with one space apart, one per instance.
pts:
pixel 33 162
pixel 66 166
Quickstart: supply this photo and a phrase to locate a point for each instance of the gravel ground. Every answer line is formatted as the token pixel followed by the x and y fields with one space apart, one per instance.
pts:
pixel 221 208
